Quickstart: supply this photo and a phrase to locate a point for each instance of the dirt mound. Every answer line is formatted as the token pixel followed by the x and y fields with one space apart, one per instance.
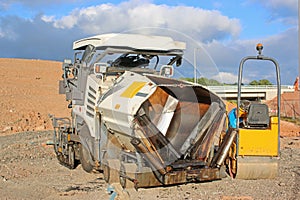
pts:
pixel 290 104
pixel 29 92
pixel 290 107
pixel 289 129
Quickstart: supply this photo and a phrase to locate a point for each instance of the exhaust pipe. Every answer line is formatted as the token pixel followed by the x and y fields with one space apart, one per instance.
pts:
pixel 224 148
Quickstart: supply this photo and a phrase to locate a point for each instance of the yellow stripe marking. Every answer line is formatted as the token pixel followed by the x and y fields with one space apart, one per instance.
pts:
pixel 133 89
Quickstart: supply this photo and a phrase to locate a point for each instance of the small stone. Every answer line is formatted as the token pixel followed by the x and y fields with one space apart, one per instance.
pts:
pixel 281 184
pixel 7 128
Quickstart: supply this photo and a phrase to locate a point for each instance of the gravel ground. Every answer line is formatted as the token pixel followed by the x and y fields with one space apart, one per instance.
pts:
pixel 30 170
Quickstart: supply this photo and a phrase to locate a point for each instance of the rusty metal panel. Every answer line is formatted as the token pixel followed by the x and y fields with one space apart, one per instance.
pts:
pixel 146 178
pixel 203 146
pixel 176 177
pixel 204 174
pixel 200 128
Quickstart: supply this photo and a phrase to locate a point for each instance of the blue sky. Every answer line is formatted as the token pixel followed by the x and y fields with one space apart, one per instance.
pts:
pixel 225 30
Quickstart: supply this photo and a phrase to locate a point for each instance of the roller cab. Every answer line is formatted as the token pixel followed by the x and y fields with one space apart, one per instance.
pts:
pixel 254 153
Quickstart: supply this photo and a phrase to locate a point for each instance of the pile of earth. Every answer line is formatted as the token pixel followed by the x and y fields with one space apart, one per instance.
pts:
pixel 29 93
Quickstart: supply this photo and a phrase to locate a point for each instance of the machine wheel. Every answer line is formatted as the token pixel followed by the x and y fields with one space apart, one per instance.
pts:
pixel 56 141
pixel 71 161
pixel 105 168
pixel 127 175
pixel 111 171
pixel 85 158
pixel 106 173
pixel 122 176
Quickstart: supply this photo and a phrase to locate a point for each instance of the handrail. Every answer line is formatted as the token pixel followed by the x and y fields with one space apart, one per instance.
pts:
pixel 234 87
pixel 259 47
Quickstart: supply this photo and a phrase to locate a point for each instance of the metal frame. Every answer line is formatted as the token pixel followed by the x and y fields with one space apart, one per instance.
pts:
pixel 109 50
pixel 260 57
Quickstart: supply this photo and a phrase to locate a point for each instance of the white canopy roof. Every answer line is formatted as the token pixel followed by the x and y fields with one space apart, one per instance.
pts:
pixel 130 41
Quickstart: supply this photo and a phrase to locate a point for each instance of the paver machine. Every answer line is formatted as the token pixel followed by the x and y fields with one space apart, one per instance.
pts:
pixel 132 121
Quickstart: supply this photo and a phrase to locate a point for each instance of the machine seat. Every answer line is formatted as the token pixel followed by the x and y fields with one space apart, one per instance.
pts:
pixel 258 116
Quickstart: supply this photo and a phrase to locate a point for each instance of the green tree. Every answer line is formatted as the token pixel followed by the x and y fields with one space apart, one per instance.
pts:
pixel 204 81
pixel 208 82
pixel 188 79
pixel 255 82
pixel 260 82
pixel 265 82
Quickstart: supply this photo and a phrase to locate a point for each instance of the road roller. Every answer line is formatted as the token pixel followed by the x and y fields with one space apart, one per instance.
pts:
pixel 254 153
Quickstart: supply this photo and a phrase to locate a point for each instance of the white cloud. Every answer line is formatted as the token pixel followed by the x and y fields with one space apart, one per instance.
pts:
pixel 196 22
pixel 7 32
pixel 283 47
pixel 285 11
pixel 278 4
pixel 48 18
pixel 65 22
pixel 226 77
pixel 5 4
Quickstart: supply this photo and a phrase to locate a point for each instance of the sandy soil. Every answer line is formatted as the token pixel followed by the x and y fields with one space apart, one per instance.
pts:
pixel 290 104
pixel 29 169
pixel 29 92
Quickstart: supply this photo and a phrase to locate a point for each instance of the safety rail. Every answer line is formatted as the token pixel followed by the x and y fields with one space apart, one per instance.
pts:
pixel 250 87
pixel 265 92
